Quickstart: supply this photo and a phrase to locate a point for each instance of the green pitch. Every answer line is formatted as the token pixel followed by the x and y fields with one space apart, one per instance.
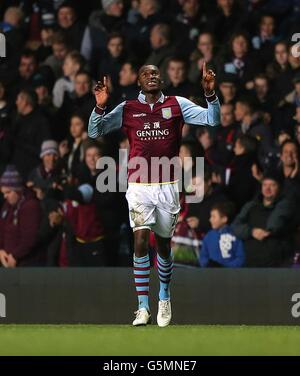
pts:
pixel 150 340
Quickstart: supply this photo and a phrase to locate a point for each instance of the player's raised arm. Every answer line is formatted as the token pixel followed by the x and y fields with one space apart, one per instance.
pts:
pixel 99 122
pixel 197 115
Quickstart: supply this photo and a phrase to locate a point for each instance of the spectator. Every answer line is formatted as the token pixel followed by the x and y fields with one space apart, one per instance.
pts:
pixel 189 23
pixel 72 150
pixel 264 225
pixel 220 247
pixel 262 93
pixel 177 78
pixel 30 129
pixel 162 48
pixel 77 34
pixel 45 48
pixel 84 245
pixel 19 222
pixel 280 72
pixel 228 88
pixel 227 19
pixel 139 33
pixel 104 22
pixel 252 123
pixel 73 63
pixel 226 134
pixel 60 49
pixel 241 185
pixel 109 63
pixel 265 40
pixel 240 61
pixel 198 214
pixel 50 171
pixel 127 87
pixel 204 52
pixel 27 72
pixel 44 97
pixel 80 100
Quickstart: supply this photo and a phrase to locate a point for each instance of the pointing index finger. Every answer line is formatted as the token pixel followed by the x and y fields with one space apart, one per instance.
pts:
pixel 105 81
pixel 204 69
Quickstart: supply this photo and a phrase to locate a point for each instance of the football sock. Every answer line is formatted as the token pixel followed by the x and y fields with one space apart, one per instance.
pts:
pixel 165 268
pixel 141 279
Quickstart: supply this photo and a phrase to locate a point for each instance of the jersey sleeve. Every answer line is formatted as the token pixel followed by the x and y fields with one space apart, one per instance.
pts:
pixel 197 115
pixel 101 123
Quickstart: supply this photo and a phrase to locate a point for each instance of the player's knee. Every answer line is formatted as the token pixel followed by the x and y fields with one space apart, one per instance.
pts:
pixel 141 244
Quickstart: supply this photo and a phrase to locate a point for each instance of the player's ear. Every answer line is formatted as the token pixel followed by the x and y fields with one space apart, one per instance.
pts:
pixel 138 83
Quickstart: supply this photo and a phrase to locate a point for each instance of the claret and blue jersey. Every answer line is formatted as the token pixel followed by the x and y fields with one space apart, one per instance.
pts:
pixel 153 130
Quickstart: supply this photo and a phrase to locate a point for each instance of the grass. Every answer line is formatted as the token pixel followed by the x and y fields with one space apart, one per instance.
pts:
pixel 112 340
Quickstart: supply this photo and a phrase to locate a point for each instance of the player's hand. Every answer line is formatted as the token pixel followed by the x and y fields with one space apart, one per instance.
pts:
pixel 102 92
pixel 208 80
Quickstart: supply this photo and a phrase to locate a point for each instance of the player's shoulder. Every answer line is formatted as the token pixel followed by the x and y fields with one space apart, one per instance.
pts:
pixel 131 103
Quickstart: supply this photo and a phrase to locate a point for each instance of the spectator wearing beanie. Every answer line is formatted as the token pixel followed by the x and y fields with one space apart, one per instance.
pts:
pixel 50 171
pixel 19 222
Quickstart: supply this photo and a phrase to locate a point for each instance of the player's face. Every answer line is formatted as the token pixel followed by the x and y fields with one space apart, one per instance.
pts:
pixel 149 79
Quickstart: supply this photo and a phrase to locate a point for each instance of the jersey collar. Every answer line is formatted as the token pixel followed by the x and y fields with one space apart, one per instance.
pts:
pixel 142 98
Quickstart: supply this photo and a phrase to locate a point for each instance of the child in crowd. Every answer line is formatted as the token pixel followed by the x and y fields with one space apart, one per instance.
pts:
pixel 220 247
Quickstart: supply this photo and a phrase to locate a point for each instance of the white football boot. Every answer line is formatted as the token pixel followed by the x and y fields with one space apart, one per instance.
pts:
pixel 164 314
pixel 142 317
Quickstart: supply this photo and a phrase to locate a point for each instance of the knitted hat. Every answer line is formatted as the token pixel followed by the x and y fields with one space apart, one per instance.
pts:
pixel 49 147
pixel 107 3
pixel 11 179
pixel 87 192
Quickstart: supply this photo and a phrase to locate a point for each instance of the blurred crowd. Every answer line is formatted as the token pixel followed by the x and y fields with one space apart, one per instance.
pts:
pixel 51 212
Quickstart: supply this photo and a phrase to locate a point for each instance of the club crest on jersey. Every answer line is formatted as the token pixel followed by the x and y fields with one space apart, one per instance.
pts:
pixel 166 113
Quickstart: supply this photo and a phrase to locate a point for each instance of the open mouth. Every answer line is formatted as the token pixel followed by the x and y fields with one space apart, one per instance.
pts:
pixel 152 83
